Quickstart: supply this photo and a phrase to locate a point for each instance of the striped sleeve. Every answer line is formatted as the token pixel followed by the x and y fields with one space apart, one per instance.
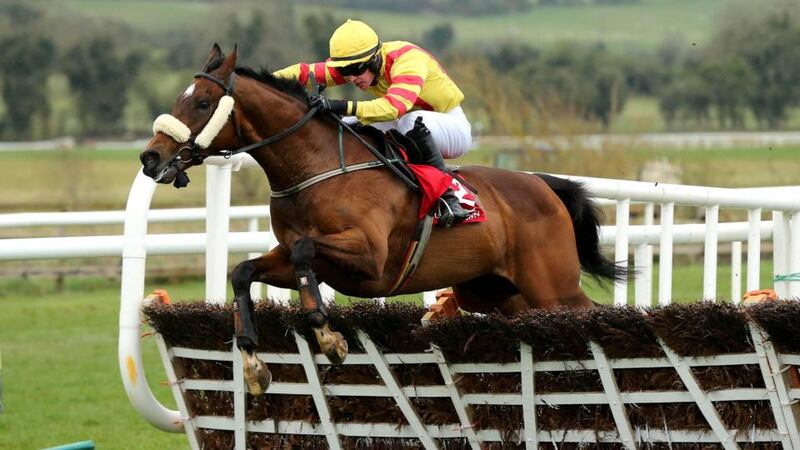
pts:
pixel 322 73
pixel 407 78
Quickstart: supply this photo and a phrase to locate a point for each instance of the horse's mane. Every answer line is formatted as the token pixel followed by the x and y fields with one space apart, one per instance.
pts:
pixel 287 85
pixel 265 76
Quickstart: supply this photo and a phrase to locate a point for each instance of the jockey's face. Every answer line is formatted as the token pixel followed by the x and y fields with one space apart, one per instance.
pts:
pixel 362 81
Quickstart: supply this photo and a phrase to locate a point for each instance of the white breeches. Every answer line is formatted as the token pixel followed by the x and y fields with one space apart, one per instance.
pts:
pixel 451 130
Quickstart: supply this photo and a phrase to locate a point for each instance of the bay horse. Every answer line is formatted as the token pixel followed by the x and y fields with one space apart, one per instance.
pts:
pixel 352 231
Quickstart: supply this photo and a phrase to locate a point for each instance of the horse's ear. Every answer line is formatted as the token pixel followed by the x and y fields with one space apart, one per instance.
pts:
pixel 214 55
pixel 229 64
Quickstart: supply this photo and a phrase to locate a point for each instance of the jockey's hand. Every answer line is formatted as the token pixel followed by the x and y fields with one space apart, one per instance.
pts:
pixel 326 104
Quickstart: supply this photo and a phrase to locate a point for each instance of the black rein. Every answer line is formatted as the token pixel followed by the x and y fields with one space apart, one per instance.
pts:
pixel 195 156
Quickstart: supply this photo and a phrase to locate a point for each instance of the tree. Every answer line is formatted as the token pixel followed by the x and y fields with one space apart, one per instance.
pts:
pixel 687 97
pixel 584 82
pixel 249 36
pixel 511 54
pixel 644 73
pixel 730 86
pixel 99 78
pixel 609 92
pixel 25 64
pixel 318 30
pixel 438 38
pixel 266 33
pixel 18 14
pixel 767 46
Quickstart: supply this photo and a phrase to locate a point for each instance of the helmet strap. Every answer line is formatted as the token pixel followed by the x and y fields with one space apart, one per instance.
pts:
pixel 375 66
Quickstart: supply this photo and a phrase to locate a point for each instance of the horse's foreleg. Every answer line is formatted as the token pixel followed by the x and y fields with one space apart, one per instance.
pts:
pixel 330 342
pixel 273 267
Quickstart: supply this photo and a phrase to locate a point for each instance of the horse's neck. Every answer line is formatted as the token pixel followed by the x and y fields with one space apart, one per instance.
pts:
pixel 296 157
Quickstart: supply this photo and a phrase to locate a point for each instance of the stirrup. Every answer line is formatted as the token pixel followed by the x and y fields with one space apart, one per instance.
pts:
pixel 444 214
pixel 449 210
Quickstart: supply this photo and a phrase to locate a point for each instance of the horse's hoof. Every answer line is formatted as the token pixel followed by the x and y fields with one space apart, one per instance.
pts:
pixel 332 344
pixel 338 351
pixel 256 375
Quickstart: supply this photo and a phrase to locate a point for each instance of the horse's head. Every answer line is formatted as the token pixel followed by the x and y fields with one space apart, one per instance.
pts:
pixel 198 126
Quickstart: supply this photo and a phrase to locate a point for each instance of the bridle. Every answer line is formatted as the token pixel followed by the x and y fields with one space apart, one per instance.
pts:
pixel 191 151
pixel 195 156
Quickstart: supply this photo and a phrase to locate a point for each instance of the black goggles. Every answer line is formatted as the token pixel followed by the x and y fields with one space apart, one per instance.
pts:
pixel 354 70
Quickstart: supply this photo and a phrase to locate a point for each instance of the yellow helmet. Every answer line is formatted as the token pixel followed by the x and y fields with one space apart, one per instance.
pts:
pixel 353 42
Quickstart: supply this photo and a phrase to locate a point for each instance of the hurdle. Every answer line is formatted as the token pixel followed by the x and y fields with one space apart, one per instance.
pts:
pixel 610 376
pixel 487 403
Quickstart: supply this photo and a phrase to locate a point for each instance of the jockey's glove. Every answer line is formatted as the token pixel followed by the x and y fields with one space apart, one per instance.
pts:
pixel 326 104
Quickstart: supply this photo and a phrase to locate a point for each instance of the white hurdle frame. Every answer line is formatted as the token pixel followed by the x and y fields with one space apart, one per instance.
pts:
pixel 777 391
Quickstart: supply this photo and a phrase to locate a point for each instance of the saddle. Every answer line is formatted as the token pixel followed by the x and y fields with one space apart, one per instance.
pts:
pixel 405 156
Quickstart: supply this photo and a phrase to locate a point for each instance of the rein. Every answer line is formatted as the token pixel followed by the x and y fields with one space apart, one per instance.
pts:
pixel 178 131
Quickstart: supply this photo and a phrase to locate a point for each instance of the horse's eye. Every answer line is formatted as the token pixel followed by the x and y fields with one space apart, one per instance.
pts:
pixel 202 105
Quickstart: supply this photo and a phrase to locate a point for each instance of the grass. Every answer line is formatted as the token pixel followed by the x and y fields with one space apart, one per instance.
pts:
pixel 732 168
pixel 643 24
pixel 60 373
pixel 84 179
pixel 687 283
pixel 641 114
pixel 151 16
pixel 740 167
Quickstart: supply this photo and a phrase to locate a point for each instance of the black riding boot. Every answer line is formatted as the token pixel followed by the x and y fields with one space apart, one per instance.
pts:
pixel 450 210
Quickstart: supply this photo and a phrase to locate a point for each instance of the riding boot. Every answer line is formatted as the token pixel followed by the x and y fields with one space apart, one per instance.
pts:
pixel 450 211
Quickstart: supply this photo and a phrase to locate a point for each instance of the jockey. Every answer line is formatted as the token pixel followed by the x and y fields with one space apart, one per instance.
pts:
pixel 412 88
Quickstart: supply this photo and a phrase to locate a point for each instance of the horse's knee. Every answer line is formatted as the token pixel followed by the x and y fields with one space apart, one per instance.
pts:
pixel 242 276
pixel 302 253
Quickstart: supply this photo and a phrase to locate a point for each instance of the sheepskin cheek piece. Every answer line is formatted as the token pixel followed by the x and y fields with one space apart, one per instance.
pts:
pixel 213 127
pixel 178 131
pixel 172 127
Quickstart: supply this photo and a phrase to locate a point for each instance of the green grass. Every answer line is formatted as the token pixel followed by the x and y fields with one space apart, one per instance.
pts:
pixel 60 375
pixel 83 179
pixel 737 167
pixel 147 15
pixel 641 114
pixel 636 25
pixel 687 283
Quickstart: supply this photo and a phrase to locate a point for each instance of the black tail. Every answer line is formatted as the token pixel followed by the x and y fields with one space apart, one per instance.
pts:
pixel 586 218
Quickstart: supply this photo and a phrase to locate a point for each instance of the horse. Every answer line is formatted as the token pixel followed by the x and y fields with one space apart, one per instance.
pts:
pixel 352 230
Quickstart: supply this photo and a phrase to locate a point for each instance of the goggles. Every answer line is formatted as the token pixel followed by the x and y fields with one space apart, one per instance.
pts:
pixel 354 70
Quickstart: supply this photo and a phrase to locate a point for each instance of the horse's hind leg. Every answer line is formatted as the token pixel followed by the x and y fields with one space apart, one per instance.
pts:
pixel 548 275
pixel 332 343
pixel 273 268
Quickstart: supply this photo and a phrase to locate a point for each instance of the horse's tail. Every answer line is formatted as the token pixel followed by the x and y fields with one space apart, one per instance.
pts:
pixel 586 218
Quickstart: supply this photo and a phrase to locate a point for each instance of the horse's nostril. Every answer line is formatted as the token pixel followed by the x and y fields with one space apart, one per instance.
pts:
pixel 149 158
